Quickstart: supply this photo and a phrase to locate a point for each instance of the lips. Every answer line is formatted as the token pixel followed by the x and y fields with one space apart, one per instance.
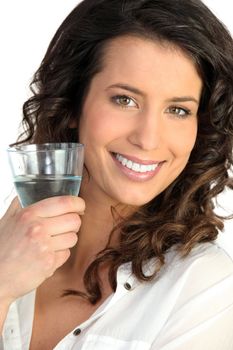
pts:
pixel 135 169
pixel 136 166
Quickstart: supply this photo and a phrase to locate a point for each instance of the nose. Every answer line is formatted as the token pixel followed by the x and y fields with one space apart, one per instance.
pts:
pixel 147 131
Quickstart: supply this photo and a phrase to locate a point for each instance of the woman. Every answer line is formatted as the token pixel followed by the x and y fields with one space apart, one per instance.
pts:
pixel 147 86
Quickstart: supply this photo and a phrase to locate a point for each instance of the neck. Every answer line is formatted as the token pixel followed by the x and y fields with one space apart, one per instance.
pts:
pixel 97 224
pixel 101 215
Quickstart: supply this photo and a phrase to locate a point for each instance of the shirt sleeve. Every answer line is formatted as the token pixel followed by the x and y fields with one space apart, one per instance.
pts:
pixel 203 320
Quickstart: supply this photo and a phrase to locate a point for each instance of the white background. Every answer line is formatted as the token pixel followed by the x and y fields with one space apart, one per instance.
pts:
pixel 26 28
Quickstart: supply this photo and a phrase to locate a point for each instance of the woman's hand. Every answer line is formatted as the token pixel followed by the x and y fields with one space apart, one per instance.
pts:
pixel 35 241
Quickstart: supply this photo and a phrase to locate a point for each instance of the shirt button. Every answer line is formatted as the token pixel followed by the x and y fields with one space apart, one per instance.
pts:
pixel 127 286
pixel 77 331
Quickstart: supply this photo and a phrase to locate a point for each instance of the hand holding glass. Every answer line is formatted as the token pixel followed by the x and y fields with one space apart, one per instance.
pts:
pixel 46 170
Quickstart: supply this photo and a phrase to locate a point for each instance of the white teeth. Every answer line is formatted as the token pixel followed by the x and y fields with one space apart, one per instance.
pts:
pixel 144 168
pixel 140 168
pixel 136 167
pixel 124 161
pixel 129 164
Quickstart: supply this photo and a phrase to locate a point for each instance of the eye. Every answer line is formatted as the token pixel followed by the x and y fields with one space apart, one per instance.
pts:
pixel 180 112
pixel 124 101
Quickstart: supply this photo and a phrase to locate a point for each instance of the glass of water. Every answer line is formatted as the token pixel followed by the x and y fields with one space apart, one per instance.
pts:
pixel 46 170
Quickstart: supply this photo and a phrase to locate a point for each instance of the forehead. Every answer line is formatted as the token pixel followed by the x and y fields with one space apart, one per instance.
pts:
pixel 143 60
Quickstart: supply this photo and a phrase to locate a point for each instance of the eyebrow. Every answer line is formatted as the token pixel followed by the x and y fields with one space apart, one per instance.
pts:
pixel 141 93
pixel 183 99
pixel 127 88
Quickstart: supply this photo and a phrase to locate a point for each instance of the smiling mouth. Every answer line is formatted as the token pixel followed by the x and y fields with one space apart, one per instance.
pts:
pixel 137 167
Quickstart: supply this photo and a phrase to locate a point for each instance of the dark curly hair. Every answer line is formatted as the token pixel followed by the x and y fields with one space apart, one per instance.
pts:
pixel 183 214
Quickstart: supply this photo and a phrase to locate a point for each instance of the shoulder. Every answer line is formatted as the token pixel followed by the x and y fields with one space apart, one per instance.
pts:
pixel 199 295
pixel 205 258
pixel 207 271
pixel 204 266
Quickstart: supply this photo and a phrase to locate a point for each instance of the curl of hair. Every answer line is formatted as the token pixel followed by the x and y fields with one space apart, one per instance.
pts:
pixel 183 214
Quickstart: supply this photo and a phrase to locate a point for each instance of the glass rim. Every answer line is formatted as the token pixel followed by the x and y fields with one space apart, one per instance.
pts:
pixel 45 147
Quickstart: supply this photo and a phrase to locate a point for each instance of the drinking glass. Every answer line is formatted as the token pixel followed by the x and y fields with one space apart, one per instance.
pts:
pixel 46 170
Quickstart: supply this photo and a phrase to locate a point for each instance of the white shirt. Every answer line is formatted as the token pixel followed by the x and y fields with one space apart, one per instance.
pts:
pixel 188 307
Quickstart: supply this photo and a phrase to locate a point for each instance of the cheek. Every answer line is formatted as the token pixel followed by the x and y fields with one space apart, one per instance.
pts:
pixel 92 127
pixel 99 126
pixel 183 140
pixel 96 132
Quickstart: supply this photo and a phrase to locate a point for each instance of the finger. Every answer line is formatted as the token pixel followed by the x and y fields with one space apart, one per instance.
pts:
pixel 61 224
pixel 61 257
pixel 64 241
pixel 14 207
pixel 58 205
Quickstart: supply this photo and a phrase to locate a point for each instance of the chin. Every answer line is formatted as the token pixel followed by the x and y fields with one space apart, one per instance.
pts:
pixel 136 201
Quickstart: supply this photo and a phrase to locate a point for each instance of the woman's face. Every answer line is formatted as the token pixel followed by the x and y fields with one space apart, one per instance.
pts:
pixel 139 121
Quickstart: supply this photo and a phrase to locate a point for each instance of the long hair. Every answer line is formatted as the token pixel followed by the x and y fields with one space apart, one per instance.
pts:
pixel 183 214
